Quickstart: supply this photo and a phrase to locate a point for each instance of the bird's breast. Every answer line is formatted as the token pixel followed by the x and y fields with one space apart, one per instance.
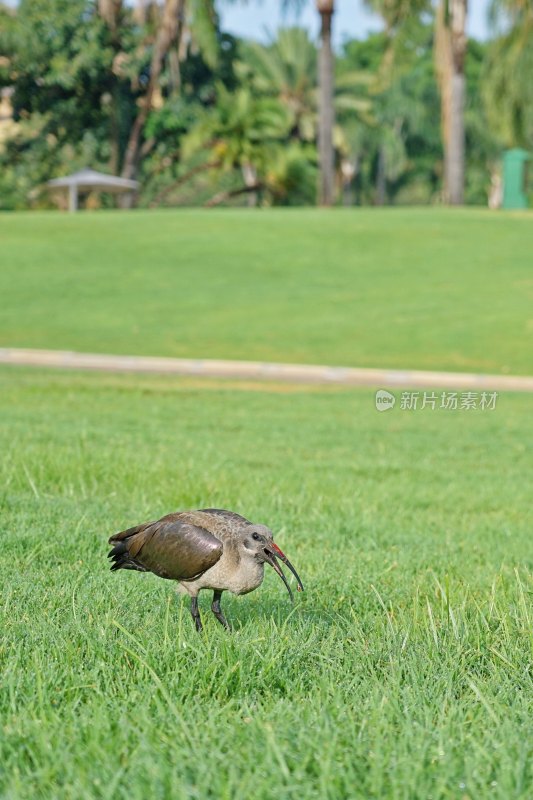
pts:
pixel 248 578
pixel 238 577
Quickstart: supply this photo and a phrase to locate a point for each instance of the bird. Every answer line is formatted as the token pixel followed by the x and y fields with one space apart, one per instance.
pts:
pixel 210 548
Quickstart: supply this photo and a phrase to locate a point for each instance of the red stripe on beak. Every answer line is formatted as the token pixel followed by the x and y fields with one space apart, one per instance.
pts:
pixel 280 554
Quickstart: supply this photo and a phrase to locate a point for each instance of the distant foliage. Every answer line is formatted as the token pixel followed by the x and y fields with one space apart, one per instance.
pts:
pixel 233 121
pixel 508 79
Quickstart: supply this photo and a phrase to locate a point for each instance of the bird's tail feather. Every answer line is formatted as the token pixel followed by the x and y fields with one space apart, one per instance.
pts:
pixel 121 558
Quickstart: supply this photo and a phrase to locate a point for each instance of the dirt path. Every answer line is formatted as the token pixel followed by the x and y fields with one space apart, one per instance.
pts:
pixel 256 370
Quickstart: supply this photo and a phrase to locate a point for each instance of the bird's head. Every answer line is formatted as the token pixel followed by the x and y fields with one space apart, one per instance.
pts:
pixel 258 542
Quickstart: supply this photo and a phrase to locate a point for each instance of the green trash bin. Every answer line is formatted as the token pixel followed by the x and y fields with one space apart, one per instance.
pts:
pixel 514 178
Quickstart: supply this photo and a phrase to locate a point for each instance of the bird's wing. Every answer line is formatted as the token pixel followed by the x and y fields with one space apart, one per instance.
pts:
pixel 171 548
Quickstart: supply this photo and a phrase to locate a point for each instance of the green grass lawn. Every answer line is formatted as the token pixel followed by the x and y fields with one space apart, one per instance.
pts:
pixel 406 288
pixel 404 671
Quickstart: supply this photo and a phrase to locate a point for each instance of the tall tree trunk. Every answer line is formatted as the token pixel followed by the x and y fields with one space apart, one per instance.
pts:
pixel 250 181
pixel 381 178
pixel 111 12
pixel 326 113
pixel 450 52
pixel 140 12
pixel 349 167
pixel 114 117
pixel 168 32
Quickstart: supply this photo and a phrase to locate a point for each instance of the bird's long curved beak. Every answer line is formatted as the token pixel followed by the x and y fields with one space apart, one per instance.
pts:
pixel 272 553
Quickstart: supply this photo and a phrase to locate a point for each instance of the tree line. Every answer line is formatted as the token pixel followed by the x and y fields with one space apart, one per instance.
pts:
pixel 157 91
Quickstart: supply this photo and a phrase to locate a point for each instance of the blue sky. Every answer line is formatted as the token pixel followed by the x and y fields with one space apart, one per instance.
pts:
pixel 256 18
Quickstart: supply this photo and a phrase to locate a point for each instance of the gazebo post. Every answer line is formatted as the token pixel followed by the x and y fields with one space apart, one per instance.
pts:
pixel 73 197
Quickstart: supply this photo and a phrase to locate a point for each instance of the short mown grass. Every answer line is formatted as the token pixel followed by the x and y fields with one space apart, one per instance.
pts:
pixel 404 671
pixel 404 288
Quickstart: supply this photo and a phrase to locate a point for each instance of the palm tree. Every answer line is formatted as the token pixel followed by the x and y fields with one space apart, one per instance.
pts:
pixel 168 33
pixel 508 84
pixel 326 120
pixel 327 117
pixel 241 132
pixel 112 13
pixel 396 14
pixel 286 69
pixel 178 22
pixel 450 52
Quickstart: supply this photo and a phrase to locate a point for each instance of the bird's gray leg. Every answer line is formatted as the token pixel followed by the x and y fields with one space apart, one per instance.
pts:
pixel 217 611
pixel 196 613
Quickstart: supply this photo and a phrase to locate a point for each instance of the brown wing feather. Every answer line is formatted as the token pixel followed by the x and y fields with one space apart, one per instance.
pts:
pixel 170 547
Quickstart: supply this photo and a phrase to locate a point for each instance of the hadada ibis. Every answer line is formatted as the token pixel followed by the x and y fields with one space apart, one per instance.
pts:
pixel 206 549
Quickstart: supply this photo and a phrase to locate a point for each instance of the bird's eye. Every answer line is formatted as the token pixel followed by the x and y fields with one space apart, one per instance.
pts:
pixel 256 536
